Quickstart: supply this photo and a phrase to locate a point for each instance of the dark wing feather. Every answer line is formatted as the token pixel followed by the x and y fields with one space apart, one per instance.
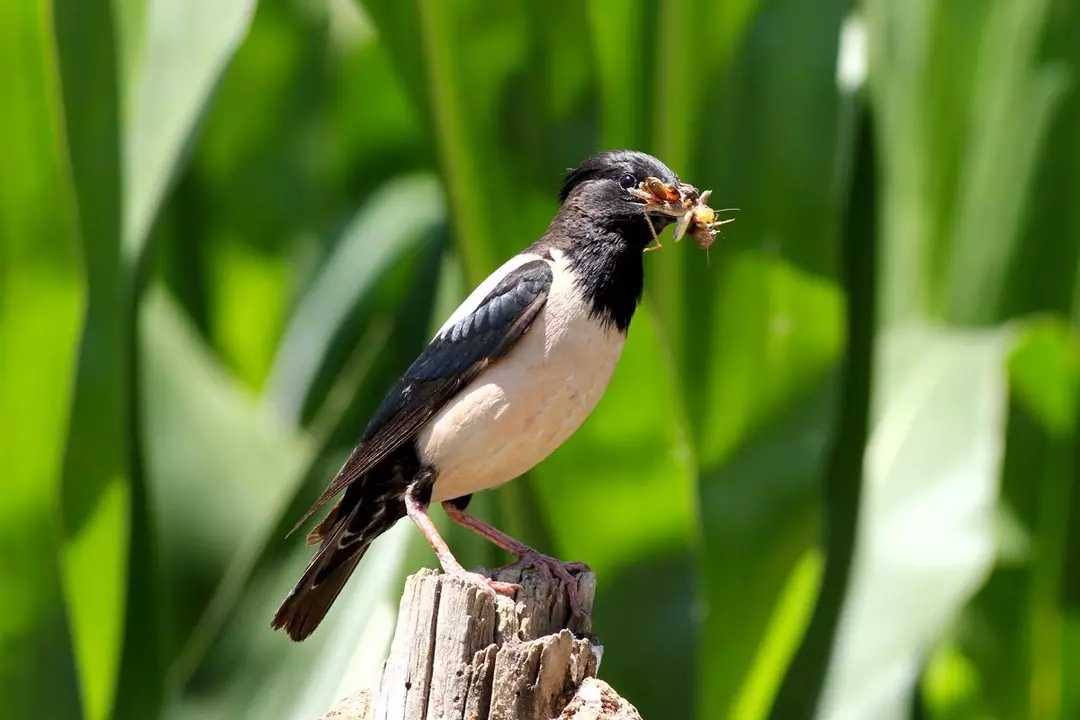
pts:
pixel 452 360
pixel 325 576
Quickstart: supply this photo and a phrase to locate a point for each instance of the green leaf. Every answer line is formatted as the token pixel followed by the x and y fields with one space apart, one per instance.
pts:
pixel 308 122
pixel 249 458
pixel 1011 111
pixel 979 226
pixel 129 108
pixel 187 45
pixel 240 277
pixel 251 670
pixel 764 497
pixel 926 525
pixel 220 474
pixel 41 306
pixel 246 450
pixel 98 454
pixel 843 478
pixel 1043 272
pixel 762 323
pixel 1022 664
pixel 443 75
pixel 513 86
pixel 960 148
pixel 615 25
pixel 1070 703
pixel 782 331
pixel 1045 374
pixel 395 221
pixel 923 116
pixel 786 625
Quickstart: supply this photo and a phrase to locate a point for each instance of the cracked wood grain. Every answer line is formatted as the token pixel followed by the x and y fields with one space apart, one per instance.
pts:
pixel 461 653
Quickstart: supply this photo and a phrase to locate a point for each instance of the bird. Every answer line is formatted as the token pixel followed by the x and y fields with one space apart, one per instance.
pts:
pixel 510 376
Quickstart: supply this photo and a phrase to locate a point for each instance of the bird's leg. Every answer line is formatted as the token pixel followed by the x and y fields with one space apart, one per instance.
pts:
pixel 525 554
pixel 417 512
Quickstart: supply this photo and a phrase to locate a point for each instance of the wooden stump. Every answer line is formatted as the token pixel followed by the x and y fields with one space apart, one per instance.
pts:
pixel 461 653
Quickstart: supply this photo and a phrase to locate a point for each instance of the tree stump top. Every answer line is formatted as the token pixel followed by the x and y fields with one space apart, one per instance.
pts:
pixel 461 653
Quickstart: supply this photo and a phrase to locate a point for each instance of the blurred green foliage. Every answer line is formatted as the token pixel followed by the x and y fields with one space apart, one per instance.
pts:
pixel 834 474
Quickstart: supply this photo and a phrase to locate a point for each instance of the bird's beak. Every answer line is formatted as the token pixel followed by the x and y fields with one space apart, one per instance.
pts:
pixel 661 198
pixel 671 200
pixel 683 203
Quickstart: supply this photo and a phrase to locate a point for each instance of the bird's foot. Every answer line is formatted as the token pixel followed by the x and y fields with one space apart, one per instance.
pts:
pixel 496 586
pixel 565 572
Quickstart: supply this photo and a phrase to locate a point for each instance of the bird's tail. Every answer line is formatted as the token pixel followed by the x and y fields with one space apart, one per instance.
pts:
pixel 343 538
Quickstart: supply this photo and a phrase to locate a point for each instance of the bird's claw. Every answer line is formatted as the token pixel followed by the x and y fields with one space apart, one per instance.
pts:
pixel 551 567
pixel 503 588
pixel 497 586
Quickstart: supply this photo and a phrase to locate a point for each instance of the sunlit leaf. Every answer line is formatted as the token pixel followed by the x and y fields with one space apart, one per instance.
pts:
pixel 959 147
pixel 129 108
pixel 764 498
pixel 98 453
pixel 514 86
pixel 1043 269
pixel 842 479
pixel 242 277
pixel 926 525
pixel 1012 105
pixel 253 672
pixel 220 473
pixel 310 119
pixel 1045 374
pixel 763 324
pixel 187 45
pixel 787 624
pixel 41 305
pixel 615 25
pixel 951 685
pixel 395 221
pixel 1022 665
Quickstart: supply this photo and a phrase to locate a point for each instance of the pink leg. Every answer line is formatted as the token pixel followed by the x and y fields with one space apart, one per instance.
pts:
pixel 545 563
pixel 418 514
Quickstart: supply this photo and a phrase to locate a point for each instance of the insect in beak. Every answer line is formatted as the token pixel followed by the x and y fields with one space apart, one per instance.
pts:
pixel 686 205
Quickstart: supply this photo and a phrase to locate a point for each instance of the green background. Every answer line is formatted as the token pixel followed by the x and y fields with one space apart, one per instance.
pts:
pixel 833 476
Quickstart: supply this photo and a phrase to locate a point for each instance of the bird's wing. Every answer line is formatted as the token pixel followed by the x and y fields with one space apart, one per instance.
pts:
pixel 455 356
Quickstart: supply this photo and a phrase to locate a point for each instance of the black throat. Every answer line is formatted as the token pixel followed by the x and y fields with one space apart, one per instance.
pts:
pixel 605 255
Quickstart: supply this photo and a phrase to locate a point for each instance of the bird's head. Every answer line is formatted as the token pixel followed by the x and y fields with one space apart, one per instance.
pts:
pixel 619 188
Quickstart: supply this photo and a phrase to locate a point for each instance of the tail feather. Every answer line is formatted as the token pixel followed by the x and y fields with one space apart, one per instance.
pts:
pixel 307 605
pixel 344 537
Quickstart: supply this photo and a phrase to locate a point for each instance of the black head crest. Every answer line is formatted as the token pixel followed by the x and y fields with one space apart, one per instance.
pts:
pixel 612 165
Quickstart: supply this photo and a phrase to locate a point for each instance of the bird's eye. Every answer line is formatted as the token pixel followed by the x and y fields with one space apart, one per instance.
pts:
pixel 627 181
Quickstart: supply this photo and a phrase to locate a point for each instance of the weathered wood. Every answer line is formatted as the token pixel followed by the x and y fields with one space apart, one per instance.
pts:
pixel 354 707
pixel 594 700
pixel 462 653
pixel 537 678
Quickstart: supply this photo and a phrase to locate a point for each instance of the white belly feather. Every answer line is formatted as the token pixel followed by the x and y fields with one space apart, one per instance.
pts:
pixel 523 407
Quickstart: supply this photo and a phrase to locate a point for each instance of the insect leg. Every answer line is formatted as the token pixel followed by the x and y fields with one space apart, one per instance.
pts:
pixel 655 237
